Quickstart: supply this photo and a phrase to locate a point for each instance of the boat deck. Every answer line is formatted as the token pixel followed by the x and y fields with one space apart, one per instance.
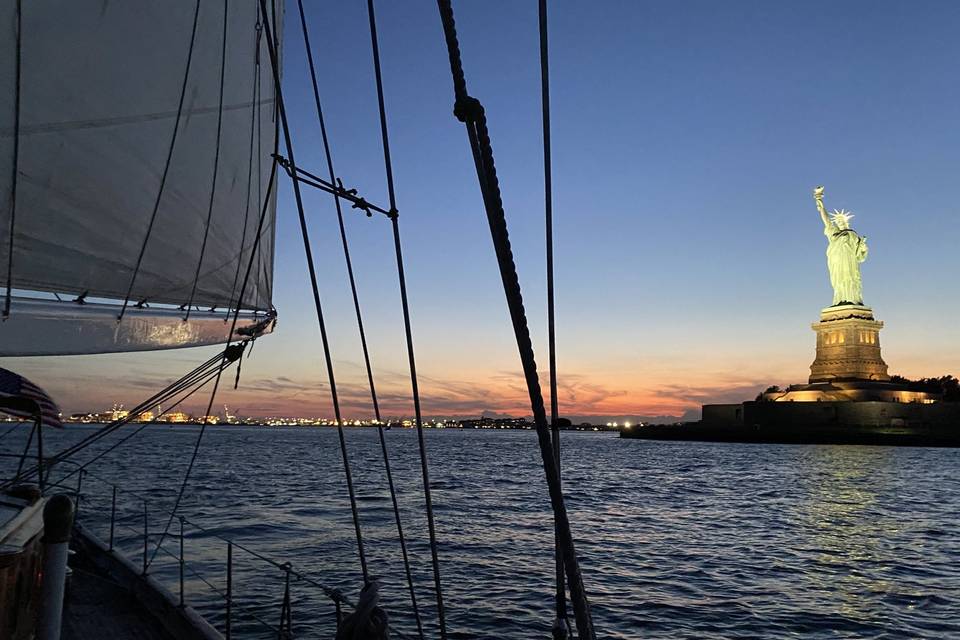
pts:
pixel 98 608
pixel 109 598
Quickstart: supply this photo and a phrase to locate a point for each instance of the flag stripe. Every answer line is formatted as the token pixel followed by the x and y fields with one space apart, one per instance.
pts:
pixel 16 386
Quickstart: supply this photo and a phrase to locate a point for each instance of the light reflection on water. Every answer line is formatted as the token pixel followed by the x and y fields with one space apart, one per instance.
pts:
pixel 676 539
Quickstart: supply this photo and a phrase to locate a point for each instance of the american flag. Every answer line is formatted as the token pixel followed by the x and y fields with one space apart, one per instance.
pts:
pixel 17 387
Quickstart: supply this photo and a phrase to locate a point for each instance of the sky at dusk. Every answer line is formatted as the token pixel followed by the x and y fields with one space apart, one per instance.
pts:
pixel 687 138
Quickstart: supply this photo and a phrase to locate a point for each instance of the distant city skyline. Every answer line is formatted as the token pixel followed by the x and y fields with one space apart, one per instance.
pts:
pixel 119 411
pixel 687 138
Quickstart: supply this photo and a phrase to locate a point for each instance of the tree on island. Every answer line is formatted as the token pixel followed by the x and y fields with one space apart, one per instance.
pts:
pixel 771 389
pixel 946 385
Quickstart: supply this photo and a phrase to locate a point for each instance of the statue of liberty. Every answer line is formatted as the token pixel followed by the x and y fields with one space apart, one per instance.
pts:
pixel 845 251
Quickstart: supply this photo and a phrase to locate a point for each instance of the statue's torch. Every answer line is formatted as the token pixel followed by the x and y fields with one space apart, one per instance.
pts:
pixel 818 198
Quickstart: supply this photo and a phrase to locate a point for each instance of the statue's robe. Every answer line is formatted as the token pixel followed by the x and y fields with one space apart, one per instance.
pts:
pixel 845 251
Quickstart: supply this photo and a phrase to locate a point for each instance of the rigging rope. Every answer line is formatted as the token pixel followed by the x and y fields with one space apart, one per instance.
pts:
pixel 336 200
pixel 415 390
pixel 255 249
pixel 16 161
pixel 184 382
pixel 276 142
pixel 254 110
pixel 316 292
pixel 166 165
pixel 193 379
pixel 227 354
pixel 216 159
pixel 81 468
pixel 199 385
pixel 232 353
pixel 261 17
pixel 469 111
pixel 562 623
pixel 359 315
pixel 196 452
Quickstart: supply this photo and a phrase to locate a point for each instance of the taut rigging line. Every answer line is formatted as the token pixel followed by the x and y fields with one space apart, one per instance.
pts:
pixel 302 176
pixel 359 315
pixel 469 111
pixel 414 385
pixel 254 254
pixel 561 623
pixel 281 109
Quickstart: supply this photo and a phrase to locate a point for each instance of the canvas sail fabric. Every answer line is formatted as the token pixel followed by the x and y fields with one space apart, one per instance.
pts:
pixel 99 89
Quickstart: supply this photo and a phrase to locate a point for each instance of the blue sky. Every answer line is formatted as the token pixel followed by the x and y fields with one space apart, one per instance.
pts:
pixel 690 259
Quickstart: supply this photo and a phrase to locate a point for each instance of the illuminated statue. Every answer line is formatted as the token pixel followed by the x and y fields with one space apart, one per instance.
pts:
pixel 845 251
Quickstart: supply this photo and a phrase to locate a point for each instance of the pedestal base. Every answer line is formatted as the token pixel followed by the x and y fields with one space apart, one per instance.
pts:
pixel 848 345
pixel 851 391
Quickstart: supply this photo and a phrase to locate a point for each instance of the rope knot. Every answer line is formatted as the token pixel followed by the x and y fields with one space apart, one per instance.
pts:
pixel 349 192
pixel 363 205
pixel 234 351
pixel 368 621
pixel 283 162
pixel 467 109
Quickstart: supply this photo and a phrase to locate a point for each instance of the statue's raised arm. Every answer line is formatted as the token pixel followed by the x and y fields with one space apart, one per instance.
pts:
pixel 818 197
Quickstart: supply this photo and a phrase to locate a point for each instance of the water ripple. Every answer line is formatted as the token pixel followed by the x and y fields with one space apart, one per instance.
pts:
pixel 676 539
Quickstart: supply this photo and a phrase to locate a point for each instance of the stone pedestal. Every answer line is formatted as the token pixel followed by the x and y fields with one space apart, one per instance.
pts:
pixel 848 345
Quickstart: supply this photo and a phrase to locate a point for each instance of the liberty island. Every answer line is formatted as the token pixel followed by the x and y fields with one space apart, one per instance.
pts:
pixel 850 396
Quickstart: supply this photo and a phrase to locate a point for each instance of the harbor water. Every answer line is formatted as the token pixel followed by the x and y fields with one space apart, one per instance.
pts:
pixel 676 540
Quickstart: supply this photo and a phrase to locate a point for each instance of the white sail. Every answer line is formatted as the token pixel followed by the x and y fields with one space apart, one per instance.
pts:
pixel 100 86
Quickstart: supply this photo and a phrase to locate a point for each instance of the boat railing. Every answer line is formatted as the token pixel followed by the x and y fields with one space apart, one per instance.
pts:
pixel 76 483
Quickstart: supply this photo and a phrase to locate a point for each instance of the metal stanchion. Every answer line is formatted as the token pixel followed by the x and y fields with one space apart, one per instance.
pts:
pixel 229 585
pixel 113 515
pixel 181 561
pixel 57 524
pixel 145 537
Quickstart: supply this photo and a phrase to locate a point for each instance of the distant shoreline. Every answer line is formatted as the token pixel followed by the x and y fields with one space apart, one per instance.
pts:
pixel 462 426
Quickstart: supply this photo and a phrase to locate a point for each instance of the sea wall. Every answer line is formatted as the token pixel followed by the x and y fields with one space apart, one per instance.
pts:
pixel 833 414
pixel 722 415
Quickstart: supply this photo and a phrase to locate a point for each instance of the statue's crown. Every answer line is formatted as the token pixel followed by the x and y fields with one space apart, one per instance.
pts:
pixel 841 215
